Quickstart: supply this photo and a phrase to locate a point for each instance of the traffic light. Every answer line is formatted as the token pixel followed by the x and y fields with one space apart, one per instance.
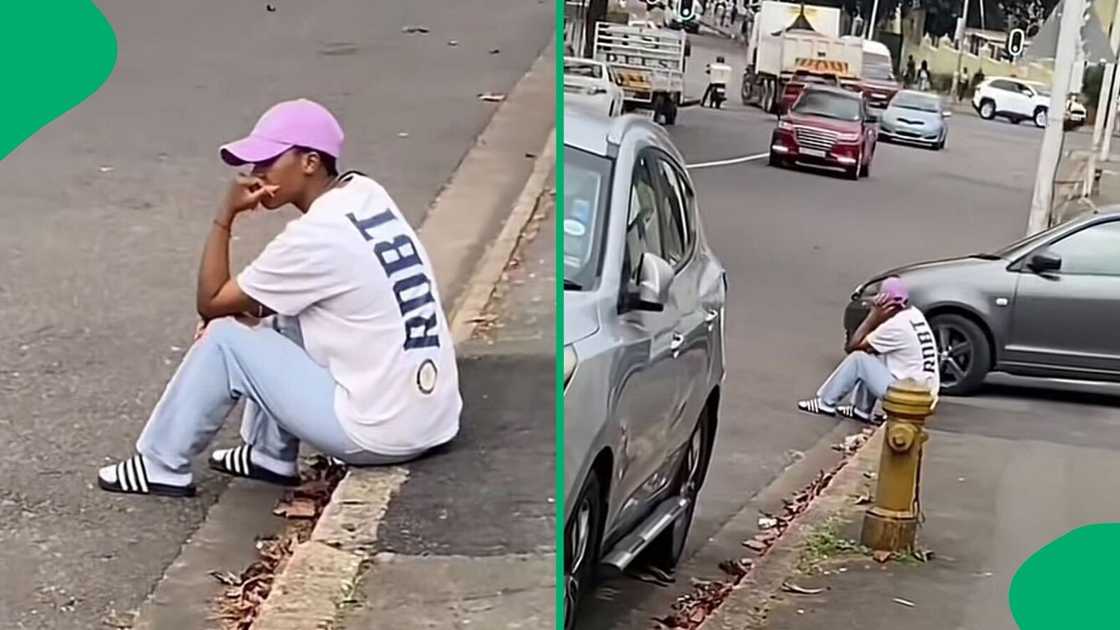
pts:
pixel 1015 41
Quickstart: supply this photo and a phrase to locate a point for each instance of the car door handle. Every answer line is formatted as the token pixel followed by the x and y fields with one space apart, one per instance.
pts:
pixel 676 343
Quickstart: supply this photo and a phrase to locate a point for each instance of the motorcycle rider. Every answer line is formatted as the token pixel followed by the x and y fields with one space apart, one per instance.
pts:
pixel 719 75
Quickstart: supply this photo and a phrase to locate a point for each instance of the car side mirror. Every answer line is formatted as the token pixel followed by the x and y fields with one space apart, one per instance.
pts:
pixel 654 279
pixel 1044 262
pixel 946 114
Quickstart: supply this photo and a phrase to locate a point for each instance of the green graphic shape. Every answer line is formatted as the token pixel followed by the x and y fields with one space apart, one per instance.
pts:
pixel 56 54
pixel 1071 582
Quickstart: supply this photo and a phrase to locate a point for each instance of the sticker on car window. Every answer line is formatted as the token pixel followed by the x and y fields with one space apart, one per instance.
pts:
pixel 574 228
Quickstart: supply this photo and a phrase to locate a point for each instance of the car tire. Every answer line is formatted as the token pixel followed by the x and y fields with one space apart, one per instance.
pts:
pixel 579 580
pixel 1040 116
pixel 987 109
pixel 972 361
pixel 666 550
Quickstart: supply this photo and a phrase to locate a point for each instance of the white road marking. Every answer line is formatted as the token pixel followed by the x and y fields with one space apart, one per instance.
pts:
pixel 729 161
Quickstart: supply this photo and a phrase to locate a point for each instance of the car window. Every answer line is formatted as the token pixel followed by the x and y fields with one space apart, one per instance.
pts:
pixel 689 216
pixel 1094 251
pixel 672 225
pixel 1004 85
pixel 587 180
pixel 583 69
pixel 643 228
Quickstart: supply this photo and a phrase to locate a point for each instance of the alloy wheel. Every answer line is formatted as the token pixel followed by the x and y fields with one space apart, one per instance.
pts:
pixel 579 543
pixel 956 354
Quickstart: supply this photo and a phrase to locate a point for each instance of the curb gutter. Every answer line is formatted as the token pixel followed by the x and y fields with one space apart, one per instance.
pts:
pixel 747 605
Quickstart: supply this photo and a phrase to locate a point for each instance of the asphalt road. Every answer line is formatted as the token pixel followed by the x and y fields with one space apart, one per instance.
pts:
pixel 795 244
pixel 105 212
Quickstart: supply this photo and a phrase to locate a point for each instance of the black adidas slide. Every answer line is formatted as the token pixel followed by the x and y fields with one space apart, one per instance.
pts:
pixel 236 462
pixel 132 478
pixel 816 406
pixel 849 411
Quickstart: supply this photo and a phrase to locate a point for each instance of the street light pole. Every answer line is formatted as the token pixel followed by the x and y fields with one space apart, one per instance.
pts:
pixel 961 27
pixel 1106 110
pixel 871 24
pixel 1069 39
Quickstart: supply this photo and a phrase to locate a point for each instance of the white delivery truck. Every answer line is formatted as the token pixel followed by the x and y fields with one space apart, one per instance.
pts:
pixel 649 64
pixel 787 37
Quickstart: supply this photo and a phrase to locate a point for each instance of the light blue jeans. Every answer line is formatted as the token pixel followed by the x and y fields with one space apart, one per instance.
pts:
pixel 288 398
pixel 860 374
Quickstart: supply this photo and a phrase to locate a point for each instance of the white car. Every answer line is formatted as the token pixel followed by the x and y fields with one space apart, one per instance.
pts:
pixel 592 84
pixel 1018 100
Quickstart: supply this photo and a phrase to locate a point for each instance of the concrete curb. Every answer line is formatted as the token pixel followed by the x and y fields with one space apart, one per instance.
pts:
pixel 318 577
pixel 747 605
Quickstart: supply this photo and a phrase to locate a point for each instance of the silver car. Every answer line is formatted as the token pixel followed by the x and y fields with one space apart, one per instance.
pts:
pixel 643 356
pixel 1045 306
pixel 915 117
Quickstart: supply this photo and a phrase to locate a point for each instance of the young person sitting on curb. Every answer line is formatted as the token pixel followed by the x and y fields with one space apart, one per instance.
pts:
pixel 893 343
pixel 354 357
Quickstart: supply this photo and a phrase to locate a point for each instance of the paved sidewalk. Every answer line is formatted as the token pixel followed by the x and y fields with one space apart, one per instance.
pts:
pixel 469 541
pixel 1000 481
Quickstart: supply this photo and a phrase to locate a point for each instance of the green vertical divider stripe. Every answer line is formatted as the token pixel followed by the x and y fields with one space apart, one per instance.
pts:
pixel 559 221
pixel 59 53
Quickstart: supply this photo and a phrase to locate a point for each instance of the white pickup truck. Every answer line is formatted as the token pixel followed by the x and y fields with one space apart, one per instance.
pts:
pixel 649 64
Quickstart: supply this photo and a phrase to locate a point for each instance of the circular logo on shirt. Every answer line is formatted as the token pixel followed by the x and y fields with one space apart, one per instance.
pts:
pixel 426 376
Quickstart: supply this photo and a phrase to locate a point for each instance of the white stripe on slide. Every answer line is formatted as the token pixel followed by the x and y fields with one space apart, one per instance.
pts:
pixel 122 481
pixel 141 474
pixel 245 460
pixel 729 161
pixel 229 460
pixel 130 468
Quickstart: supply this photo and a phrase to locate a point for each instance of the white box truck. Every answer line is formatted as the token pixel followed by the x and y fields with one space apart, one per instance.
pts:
pixel 649 64
pixel 786 38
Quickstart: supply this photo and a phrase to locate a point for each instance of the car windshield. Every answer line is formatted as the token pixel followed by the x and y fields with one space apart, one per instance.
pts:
pixel 586 193
pixel 919 102
pixel 877 67
pixel 828 105
pixel 583 69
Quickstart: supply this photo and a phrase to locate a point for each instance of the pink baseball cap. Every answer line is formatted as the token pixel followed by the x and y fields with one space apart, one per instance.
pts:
pixel 299 123
pixel 893 292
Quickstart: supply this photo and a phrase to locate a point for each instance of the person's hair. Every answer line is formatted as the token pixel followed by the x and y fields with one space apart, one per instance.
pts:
pixel 719 59
pixel 329 163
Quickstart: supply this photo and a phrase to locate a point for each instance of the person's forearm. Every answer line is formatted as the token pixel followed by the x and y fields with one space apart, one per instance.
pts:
pixel 870 323
pixel 213 272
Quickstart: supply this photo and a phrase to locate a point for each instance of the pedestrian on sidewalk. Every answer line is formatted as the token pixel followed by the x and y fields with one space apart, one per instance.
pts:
pixel 334 335
pixel 924 79
pixel 911 72
pixel 962 85
pixel 893 343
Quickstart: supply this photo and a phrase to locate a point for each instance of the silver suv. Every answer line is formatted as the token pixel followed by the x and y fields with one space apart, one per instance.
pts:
pixel 643 356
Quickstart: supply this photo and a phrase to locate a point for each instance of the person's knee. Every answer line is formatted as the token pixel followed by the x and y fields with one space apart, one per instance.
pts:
pixel 223 330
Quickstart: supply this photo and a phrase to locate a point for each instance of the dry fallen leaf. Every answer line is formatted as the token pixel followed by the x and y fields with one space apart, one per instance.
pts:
pixel 492 97
pixel 225 577
pixel 790 587
pixel 297 508
pixel 904 602
pixel 881 556
pixel 417 28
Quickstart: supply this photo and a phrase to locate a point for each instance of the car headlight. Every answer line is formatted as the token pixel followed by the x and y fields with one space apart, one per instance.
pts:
pixel 867 291
pixel 785 125
pixel 848 137
pixel 570 361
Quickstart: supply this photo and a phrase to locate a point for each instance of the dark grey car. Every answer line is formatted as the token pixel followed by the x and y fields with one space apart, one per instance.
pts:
pixel 1046 306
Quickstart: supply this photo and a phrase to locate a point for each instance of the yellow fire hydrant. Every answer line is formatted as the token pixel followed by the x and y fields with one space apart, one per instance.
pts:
pixel 892 523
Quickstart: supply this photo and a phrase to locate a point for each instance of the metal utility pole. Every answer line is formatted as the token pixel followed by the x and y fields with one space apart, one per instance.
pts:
pixel 962 27
pixel 871 24
pixel 1106 110
pixel 1109 79
pixel 1069 39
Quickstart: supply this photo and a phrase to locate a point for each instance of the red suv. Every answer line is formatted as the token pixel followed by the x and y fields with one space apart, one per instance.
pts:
pixel 827 126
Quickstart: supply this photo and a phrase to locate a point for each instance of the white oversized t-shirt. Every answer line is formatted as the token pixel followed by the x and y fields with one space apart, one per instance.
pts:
pixel 355 275
pixel 908 347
